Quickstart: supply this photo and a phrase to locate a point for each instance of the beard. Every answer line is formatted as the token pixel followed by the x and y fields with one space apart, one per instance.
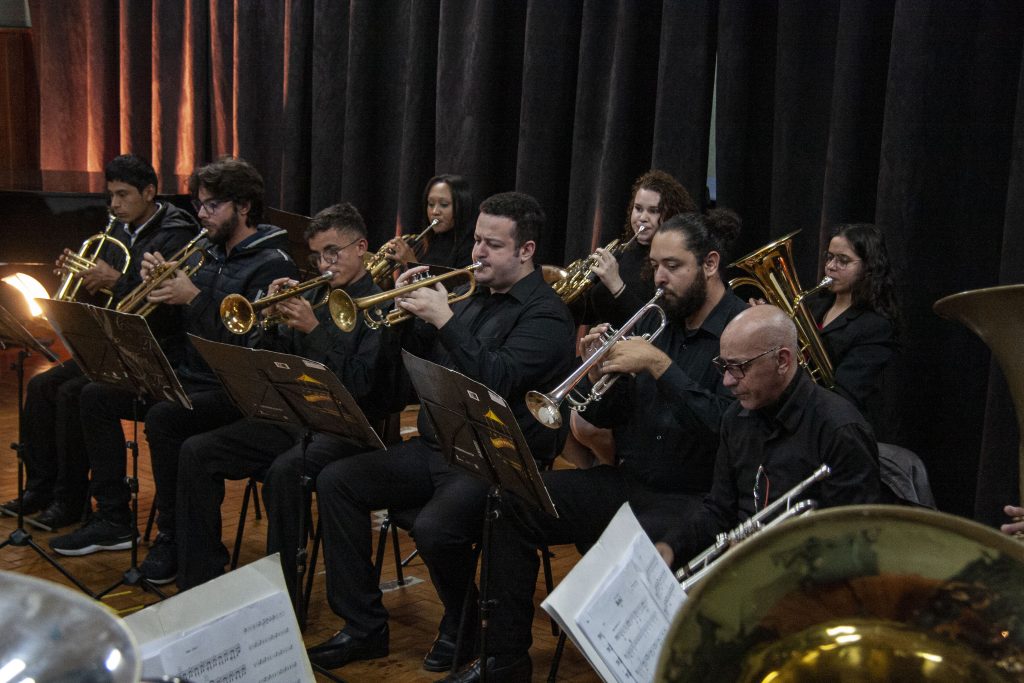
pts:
pixel 679 308
pixel 221 231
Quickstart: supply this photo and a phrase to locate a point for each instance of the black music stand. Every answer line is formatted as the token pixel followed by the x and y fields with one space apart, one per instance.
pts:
pixel 119 349
pixel 286 389
pixel 13 333
pixel 478 433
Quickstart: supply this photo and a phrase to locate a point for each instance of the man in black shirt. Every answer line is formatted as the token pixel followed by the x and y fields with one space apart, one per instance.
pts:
pixel 57 466
pixel 337 241
pixel 514 334
pixel 665 421
pixel 782 428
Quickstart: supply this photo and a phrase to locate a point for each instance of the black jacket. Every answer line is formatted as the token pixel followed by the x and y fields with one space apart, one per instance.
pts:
pixel 167 231
pixel 860 344
pixel 248 270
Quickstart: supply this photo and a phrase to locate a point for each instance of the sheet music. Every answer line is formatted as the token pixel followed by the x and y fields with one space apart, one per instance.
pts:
pixel 618 602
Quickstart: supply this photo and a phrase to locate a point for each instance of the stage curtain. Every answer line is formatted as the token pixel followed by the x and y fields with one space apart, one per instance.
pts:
pixel 907 113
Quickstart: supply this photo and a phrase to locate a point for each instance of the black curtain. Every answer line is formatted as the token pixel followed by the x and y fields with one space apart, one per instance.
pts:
pixel 907 113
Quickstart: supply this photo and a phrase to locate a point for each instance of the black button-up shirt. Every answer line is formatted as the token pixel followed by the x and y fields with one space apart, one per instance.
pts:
pixel 511 342
pixel 666 430
pixel 776 448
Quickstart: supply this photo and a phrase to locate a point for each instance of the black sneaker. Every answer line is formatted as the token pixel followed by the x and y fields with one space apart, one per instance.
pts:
pixel 95 535
pixel 58 515
pixel 161 564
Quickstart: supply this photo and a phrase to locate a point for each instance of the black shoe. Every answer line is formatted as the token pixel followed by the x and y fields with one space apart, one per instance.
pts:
pixel 161 563
pixel 442 654
pixel 34 502
pixel 58 515
pixel 343 648
pixel 95 535
pixel 518 671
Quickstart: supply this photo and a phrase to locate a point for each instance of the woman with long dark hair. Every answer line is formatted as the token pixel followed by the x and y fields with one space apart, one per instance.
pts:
pixel 448 199
pixel 859 316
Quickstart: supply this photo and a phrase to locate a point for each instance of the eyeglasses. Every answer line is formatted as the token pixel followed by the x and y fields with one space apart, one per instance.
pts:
pixel 842 261
pixel 738 370
pixel 330 255
pixel 211 205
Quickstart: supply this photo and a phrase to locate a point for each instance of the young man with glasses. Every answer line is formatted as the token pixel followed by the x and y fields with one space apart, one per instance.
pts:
pixel 242 256
pixel 664 412
pixel 337 241
pixel 782 428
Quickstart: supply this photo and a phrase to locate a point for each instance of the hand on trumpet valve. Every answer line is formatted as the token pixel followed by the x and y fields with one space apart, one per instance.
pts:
pixel 150 261
pixel 176 289
pixel 298 314
pixel 634 355
pixel 398 250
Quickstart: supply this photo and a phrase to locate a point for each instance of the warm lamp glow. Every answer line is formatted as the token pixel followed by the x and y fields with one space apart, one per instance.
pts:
pixel 30 289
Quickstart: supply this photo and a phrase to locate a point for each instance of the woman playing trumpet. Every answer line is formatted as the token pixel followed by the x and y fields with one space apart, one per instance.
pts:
pixel 449 201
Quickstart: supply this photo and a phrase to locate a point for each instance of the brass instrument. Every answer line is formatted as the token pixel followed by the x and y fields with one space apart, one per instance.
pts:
pixel 775 513
pixel 135 300
pixel 856 593
pixel 545 407
pixel 381 267
pixel 996 314
pixel 239 315
pixel 577 277
pixel 772 271
pixel 86 257
pixel 344 308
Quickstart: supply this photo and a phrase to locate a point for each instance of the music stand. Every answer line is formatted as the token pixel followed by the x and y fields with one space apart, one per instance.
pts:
pixel 286 389
pixel 478 433
pixel 119 349
pixel 13 333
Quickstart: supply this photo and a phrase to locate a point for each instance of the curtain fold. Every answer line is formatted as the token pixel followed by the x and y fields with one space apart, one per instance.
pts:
pixel 906 113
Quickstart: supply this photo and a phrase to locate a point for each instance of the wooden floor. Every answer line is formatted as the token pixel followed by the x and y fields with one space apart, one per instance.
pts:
pixel 415 610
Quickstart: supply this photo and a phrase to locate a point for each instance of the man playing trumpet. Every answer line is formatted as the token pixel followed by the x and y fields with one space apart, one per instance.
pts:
pixel 665 421
pixel 336 237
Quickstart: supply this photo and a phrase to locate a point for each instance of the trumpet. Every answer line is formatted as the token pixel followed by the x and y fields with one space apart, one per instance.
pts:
pixel 577 277
pixel 344 308
pixel 239 314
pixel 76 264
pixel 135 300
pixel 545 407
pixel 381 267
pixel 782 509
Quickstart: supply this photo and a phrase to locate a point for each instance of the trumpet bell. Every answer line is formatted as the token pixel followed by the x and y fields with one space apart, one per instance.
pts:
pixel 237 314
pixel 544 408
pixel 858 593
pixel 343 310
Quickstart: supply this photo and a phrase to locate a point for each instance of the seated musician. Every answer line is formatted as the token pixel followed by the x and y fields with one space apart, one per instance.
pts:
pixel 56 465
pixel 448 200
pixel 513 334
pixel 782 428
pixel 337 241
pixel 665 419
pixel 244 257
pixel 624 285
pixel 859 315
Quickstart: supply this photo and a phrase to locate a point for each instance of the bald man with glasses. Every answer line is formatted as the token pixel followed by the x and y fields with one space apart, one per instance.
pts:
pixel 782 427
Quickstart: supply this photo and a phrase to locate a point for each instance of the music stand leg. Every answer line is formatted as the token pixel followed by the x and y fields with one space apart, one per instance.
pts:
pixel 491 513
pixel 300 551
pixel 21 537
pixel 132 576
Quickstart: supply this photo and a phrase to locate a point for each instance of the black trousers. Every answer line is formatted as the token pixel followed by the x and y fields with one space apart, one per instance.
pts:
pixel 56 462
pixel 168 425
pixel 409 475
pixel 284 497
pixel 586 501
pixel 239 450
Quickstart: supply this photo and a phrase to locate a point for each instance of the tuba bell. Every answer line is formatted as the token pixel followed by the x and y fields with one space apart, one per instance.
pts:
pixel 772 272
pixel 856 593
